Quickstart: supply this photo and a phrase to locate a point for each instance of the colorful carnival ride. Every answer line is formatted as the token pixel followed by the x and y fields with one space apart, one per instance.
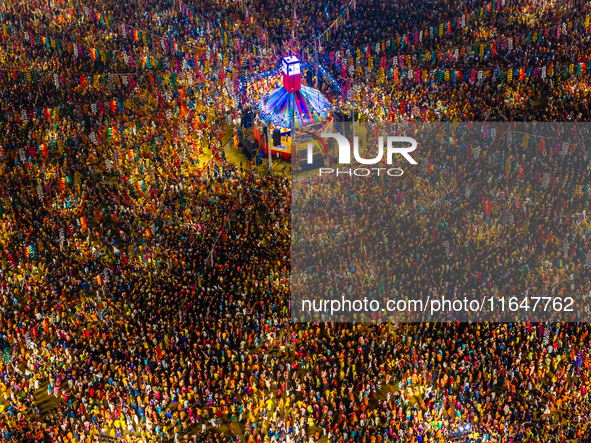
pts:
pixel 292 106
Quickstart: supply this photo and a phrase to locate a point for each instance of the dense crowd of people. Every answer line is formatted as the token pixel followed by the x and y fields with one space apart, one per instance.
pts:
pixel 489 211
pixel 145 278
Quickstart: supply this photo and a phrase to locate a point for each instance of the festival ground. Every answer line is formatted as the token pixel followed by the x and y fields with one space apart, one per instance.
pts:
pixel 146 285
pixel 47 403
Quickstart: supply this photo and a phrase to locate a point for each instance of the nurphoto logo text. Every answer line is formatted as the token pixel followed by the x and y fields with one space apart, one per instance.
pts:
pixel 345 154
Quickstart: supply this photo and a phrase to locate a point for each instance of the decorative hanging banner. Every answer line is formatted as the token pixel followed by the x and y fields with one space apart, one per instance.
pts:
pixel 192 53
pixel 501 45
pixel 393 44
pixel 116 106
pixel 60 79
pixel 344 13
